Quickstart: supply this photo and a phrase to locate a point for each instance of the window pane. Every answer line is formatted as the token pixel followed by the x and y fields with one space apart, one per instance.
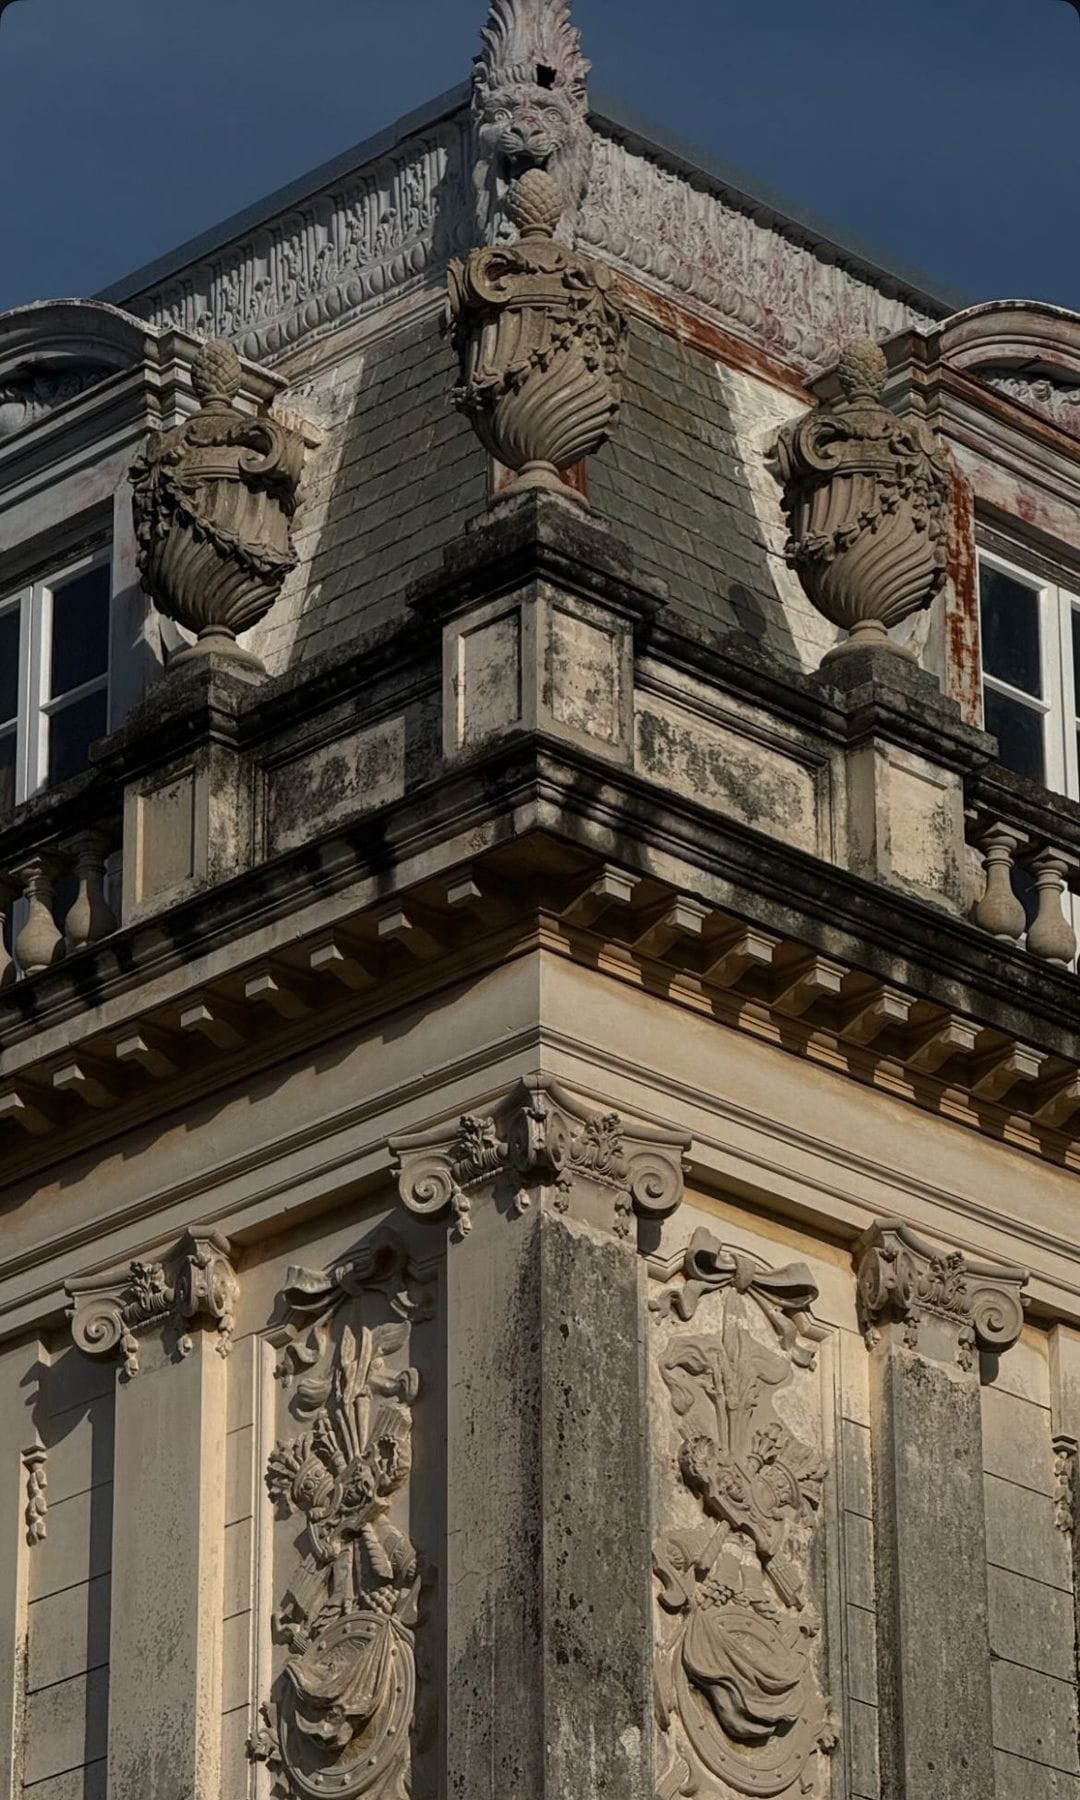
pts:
pixel 1074 612
pixel 7 775
pixel 80 630
pixel 1019 732
pixel 72 730
pixel 1010 630
pixel 9 663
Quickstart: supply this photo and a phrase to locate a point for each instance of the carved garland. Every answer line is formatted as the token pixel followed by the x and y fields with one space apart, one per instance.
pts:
pixel 337 1726
pixel 539 1137
pixel 738 1689
pixel 109 1316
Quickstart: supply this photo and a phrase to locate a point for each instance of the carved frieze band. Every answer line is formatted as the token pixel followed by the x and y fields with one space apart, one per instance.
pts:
pixel 108 1315
pixel 539 1137
pixel 907 1283
pixel 381 233
pixel 739 1689
pixel 338 1720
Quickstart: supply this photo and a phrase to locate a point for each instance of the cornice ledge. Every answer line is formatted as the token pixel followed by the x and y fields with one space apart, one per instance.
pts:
pixel 539 1137
pixel 196 1284
pixel 907 1283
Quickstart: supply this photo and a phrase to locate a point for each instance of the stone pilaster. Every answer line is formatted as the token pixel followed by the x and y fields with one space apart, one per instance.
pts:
pixel 21 1523
pixel 165 1645
pixel 547 1557
pixel 928 1314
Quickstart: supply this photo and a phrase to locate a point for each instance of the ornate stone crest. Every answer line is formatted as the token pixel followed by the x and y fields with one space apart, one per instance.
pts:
pixel 540 1137
pixel 213 503
pixel 529 107
pixel 109 1316
pixel 542 345
pixel 739 1693
pixel 338 1722
pixel 907 1282
pixel 866 497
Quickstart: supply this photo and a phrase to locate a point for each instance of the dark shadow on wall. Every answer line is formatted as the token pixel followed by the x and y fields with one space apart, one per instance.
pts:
pixel 671 484
pixel 409 475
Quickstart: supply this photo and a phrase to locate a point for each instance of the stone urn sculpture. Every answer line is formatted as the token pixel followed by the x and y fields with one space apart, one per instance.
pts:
pixel 542 345
pixel 866 498
pixel 213 503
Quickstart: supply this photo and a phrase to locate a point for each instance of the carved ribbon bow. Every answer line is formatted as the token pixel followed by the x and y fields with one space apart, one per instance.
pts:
pixel 784 1295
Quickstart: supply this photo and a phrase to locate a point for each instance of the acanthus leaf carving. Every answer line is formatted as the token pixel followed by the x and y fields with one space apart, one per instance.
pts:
pixel 1056 400
pixel 337 1725
pixel 108 1316
pixel 539 1137
pixel 866 497
pixel 30 395
pixel 530 107
pixel 542 345
pixel 738 1688
pixel 213 501
pixel 904 1281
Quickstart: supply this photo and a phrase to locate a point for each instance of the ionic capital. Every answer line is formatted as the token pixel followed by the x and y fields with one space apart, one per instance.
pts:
pixel 539 1140
pixel 196 1284
pixel 938 1302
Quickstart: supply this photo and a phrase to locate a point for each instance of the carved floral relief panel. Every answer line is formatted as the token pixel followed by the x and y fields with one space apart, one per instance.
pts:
pixel 348 1583
pixel 741 1465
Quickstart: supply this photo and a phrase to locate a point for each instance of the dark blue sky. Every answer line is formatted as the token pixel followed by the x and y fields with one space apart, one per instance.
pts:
pixel 942 131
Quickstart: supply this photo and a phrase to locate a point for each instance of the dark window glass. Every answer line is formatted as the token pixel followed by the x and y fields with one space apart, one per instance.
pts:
pixel 7 774
pixel 80 631
pixel 1010 630
pixel 1019 732
pixel 72 730
pixel 1074 613
pixel 9 663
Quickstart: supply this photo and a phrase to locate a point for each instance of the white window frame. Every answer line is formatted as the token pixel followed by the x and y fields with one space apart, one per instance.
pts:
pixel 1058 704
pixel 33 601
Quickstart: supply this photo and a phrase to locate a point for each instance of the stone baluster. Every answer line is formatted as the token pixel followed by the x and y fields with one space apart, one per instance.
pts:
pixel 39 944
pixel 90 916
pixel 1050 935
pixel 999 911
pixel 9 893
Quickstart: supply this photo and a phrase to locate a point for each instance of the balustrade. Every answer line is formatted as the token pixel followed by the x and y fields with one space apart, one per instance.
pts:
pixel 55 903
pixel 1042 921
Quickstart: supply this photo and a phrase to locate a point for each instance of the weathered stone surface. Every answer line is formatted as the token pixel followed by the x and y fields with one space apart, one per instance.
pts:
pixel 548 1665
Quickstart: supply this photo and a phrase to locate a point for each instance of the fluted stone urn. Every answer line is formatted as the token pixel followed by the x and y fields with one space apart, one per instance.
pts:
pixel 866 498
pixel 542 345
pixel 213 502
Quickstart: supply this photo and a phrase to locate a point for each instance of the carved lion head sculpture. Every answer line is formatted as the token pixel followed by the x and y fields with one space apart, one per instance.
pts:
pixel 530 106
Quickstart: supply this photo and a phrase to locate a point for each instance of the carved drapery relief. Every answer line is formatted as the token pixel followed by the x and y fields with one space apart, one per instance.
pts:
pixel 530 107
pixel 197 1284
pixel 337 1724
pixel 26 398
pixel 542 345
pixel 213 502
pixel 739 1690
pixel 765 285
pixel 540 1137
pixel 906 1282
pixel 866 497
